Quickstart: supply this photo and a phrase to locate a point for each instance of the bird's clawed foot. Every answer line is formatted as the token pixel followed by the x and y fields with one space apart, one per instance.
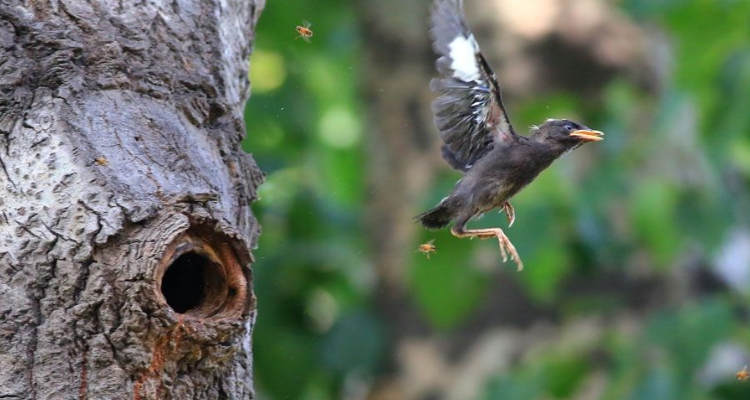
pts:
pixel 506 247
pixel 510 213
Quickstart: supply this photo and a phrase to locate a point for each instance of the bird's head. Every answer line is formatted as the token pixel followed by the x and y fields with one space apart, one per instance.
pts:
pixel 565 133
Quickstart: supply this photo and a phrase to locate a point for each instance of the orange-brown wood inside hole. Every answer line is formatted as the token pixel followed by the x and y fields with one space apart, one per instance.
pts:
pixel 225 292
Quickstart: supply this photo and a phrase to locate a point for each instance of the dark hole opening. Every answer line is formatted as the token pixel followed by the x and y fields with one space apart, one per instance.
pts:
pixel 185 282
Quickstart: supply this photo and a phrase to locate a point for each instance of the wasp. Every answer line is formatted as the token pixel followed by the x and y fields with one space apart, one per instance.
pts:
pixel 304 31
pixel 743 375
pixel 101 161
pixel 427 248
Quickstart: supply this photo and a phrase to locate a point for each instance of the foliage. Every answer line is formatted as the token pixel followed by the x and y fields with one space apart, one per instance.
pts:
pixel 650 196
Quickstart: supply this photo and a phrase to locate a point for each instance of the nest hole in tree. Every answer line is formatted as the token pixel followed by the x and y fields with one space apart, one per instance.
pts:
pixel 188 280
pixel 201 277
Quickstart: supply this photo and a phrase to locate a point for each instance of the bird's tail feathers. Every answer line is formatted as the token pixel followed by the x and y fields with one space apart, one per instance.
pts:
pixel 438 217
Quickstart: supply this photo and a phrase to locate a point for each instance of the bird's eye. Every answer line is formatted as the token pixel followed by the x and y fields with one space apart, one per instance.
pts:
pixel 569 128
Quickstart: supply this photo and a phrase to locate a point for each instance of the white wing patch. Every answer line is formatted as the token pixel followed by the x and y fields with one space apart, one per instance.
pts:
pixel 463 58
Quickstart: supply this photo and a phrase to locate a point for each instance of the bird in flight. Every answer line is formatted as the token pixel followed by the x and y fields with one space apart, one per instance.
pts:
pixel 477 135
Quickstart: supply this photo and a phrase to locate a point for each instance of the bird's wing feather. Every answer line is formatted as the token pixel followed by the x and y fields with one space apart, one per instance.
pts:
pixel 469 111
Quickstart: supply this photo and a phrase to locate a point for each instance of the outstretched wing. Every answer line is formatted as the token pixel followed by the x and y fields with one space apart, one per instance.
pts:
pixel 469 111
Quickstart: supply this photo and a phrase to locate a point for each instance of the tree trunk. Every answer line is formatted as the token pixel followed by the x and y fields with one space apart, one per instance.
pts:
pixel 125 226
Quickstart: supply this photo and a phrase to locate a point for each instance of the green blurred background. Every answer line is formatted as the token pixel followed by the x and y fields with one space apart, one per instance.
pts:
pixel 637 249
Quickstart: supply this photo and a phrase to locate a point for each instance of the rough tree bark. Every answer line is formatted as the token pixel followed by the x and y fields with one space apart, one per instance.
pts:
pixel 125 226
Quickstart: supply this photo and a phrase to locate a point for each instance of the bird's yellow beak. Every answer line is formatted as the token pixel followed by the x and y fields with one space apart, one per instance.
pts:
pixel 588 135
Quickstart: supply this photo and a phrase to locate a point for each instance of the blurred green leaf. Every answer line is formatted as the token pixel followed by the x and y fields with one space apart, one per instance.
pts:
pixel 690 333
pixel 652 207
pixel 658 384
pixel 354 344
pixel 565 375
pixel 446 286
pixel 284 357
pixel 524 385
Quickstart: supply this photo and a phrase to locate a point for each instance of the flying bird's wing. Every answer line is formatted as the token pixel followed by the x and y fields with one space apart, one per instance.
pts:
pixel 469 111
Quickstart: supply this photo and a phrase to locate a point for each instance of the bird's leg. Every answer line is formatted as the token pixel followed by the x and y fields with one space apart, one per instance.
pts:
pixel 510 213
pixel 505 245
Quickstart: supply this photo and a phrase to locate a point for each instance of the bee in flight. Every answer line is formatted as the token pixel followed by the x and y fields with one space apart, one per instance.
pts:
pixel 101 161
pixel 427 248
pixel 743 375
pixel 304 31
